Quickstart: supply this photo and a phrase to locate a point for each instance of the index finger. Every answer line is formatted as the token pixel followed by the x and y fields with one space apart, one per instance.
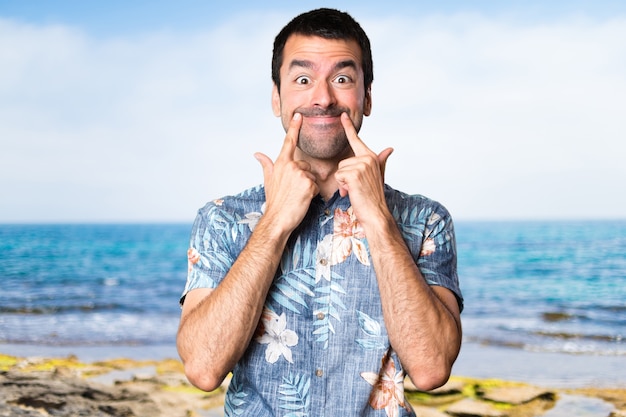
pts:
pixel 356 143
pixel 291 138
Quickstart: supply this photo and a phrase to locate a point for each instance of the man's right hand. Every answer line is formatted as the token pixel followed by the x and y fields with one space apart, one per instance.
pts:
pixel 289 183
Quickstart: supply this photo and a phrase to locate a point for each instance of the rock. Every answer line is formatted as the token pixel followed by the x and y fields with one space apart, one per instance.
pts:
pixel 39 394
pixel 428 412
pixel 472 408
pixel 12 411
pixel 517 395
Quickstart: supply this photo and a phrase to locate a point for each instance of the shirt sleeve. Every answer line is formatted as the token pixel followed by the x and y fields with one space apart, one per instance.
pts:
pixel 209 257
pixel 437 257
pixel 428 231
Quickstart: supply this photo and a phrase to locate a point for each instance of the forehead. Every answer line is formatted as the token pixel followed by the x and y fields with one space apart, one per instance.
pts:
pixel 320 50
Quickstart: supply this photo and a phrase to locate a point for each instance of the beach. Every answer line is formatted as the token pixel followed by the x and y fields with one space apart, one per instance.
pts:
pixel 557 370
pixel 149 381
pixel 550 369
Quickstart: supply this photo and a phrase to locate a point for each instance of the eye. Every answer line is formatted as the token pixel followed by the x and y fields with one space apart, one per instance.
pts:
pixel 342 79
pixel 303 80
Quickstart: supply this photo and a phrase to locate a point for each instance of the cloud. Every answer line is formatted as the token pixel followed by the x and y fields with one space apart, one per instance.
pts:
pixel 143 128
pixel 506 120
pixel 493 118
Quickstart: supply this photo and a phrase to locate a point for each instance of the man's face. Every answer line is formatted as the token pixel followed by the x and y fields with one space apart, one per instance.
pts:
pixel 321 78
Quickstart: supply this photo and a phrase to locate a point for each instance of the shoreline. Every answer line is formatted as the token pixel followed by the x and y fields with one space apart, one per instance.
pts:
pixel 149 380
pixel 31 386
pixel 548 369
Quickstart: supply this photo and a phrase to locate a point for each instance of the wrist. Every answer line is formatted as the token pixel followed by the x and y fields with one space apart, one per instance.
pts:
pixel 273 230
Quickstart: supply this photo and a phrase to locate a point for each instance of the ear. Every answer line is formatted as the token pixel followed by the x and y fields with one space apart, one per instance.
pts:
pixel 275 101
pixel 367 104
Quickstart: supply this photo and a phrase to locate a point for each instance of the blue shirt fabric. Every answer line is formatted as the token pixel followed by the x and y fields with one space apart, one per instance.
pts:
pixel 321 348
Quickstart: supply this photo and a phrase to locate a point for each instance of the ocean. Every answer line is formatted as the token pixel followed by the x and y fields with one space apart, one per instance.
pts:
pixel 541 286
pixel 545 286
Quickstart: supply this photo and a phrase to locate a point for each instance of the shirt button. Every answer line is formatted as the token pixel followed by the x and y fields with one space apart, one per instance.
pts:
pixel 320 316
pixel 327 212
pixel 319 372
pixel 323 261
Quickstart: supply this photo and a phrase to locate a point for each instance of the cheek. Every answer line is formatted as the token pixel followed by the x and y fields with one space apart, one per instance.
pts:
pixel 354 100
pixel 288 108
pixel 286 114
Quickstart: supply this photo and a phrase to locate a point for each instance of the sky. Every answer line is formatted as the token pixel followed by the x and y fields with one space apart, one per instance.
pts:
pixel 143 111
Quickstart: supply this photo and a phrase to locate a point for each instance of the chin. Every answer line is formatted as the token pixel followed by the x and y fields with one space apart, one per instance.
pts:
pixel 328 149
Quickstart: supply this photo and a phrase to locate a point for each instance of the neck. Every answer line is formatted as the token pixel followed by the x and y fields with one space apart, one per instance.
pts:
pixel 325 179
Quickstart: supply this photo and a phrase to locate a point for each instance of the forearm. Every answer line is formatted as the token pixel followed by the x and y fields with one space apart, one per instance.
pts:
pixel 424 329
pixel 215 332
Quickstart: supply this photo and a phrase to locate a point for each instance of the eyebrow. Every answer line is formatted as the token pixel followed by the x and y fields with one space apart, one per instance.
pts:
pixel 302 63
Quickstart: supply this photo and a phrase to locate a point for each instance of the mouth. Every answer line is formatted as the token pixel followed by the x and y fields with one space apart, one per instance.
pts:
pixel 322 123
pixel 322 118
pixel 316 113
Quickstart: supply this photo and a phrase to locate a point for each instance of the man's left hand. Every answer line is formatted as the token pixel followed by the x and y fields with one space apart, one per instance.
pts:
pixel 362 176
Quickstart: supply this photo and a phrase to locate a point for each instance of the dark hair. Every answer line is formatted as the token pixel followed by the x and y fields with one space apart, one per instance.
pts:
pixel 328 24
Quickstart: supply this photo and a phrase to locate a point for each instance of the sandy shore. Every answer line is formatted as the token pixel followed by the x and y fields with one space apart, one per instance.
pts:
pixel 122 381
pixel 557 370
pixel 560 370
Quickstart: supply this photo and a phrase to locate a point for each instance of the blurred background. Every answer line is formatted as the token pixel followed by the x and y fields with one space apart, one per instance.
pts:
pixel 118 120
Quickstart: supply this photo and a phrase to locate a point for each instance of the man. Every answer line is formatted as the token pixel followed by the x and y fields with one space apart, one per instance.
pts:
pixel 321 289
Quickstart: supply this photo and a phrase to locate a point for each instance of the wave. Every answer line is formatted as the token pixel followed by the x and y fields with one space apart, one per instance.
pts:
pixel 102 328
pixel 556 316
pixel 609 316
pixel 61 309
pixel 600 345
pixel 580 336
pixel 81 342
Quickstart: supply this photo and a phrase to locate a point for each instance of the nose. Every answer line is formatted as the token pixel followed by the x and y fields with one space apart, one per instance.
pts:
pixel 323 95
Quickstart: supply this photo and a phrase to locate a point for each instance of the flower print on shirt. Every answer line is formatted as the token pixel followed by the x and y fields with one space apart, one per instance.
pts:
pixel 348 238
pixel 335 248
pixel 217 235
pixel 193 256
pixel 433 220
pixel 388 391
pixel 374 338
pixel 252 218
pixel 436 236
pixel 276 336
pixel 428 247
pixel 323 254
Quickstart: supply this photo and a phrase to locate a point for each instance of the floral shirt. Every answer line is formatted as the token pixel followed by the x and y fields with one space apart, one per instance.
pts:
pixel 321 347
